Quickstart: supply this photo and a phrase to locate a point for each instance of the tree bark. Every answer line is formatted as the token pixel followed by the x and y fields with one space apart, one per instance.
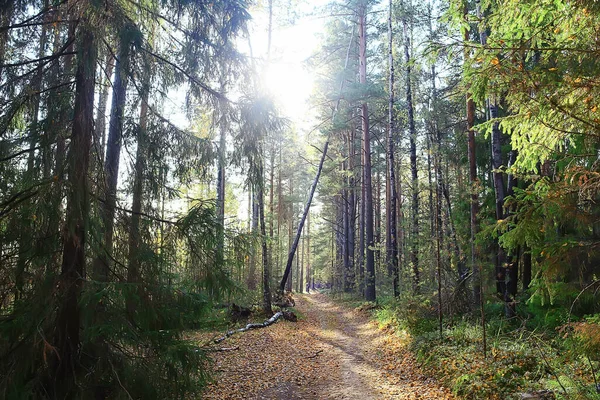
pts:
pixel 266 275
pixel 370 294
pixel 290 278
pixel 414 252
pixel 301 280
pixel 474 183
pixel 100 130
pixel 220 206
pixel 351 208
pixel 309 270
pixel 252 281
pixel 526 268
pixel 6 14
pixel 111 164
pixel 313 187
pixel 135 238
pixel 68 320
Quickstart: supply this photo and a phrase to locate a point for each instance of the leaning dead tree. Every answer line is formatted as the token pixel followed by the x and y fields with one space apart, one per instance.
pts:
pixel 313 187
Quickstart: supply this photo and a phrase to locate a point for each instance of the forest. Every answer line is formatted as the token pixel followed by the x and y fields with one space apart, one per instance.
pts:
pixel 424 225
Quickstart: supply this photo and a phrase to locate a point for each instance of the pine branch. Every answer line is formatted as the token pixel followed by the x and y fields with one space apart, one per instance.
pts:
pixel 27 22
pixel 47 58
pixel 192 79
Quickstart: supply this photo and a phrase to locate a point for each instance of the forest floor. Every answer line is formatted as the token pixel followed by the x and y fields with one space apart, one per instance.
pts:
pixel 332 352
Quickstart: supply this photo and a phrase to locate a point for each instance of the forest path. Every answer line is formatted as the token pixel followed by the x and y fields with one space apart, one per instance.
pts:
pixel 333 352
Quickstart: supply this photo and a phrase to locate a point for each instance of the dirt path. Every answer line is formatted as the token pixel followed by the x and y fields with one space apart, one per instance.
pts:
pixel 331 353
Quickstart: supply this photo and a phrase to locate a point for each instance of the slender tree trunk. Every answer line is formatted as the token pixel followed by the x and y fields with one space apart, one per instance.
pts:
pixel 361 228
pixel 301 280
pixel 526 268
pixel 377 218
pixel 6 15
pixel 399 220
pixel 309 270
pixel 220 206
pixel 111 164
pixel 351 208
pixel 430 168
pixel 412 131
pixel 135 238
pixel 100 130
pixel 254 218
pixel 58 110
pixel 271 205
pixel 474 183
pixel 68 325
pixel 344 210
pixel 289 281
pixel 368 198
pixel 313 187
pixel 458 254
pixel 31 176
pixel 499 191
pixel 266 275
pixel 504 265
pixel 279 206
pixel 314 184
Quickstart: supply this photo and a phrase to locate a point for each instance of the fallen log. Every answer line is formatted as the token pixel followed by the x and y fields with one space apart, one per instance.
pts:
pixel 316 354
pixel 221 349
pixel 248 327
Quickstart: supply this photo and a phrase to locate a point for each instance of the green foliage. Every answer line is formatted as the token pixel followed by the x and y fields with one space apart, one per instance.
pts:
pixel 525 354
pixel 412 313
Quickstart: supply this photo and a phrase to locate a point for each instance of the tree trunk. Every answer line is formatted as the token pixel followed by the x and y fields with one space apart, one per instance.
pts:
pixel 399 219
pixel 351 208
pixel 361 228
pixel 61 113
pixel 133 270
pixel 6 14
pixel 111 164
pixel 526 268
pixel 31 176
pixel 100 130
pixel 309 270
pixel 314 184
pixel 290 278
pixel 271 205
pixel 377 218
pixel 345 211
pixel 414 252
pixel 220 206
pixel 73 264
pixel 279 206
pixel 301 280
pixel 254 226
pixel 266 275
pixel 313 187
pixel 474 183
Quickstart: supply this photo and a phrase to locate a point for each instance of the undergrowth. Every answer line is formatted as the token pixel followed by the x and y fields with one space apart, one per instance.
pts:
pixel 540 349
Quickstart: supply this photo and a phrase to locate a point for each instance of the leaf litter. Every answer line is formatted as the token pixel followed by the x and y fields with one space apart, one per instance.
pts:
pixel 333 352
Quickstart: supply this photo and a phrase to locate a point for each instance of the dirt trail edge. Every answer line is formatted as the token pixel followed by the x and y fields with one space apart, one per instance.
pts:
pixel 332 353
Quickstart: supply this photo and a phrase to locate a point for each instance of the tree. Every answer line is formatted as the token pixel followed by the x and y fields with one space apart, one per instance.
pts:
pixel 366 150
pixel 412 134
pixel 391 240
pixel 68 319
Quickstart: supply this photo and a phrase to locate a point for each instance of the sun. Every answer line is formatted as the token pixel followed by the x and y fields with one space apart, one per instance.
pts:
pixel 291 85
